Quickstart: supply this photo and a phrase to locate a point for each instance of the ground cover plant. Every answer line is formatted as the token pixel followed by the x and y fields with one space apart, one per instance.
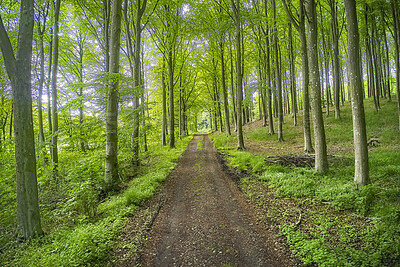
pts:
pixel 326 219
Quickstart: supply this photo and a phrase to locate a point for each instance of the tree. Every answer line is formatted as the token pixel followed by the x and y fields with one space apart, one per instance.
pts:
pixel 134 55
pixel 321 159
pixel 19 71
pixel 300 25
pixel 54 138
pixel 239 90
pixel 396 27
pixel 111 162
pixel 361 176
pixel 278 76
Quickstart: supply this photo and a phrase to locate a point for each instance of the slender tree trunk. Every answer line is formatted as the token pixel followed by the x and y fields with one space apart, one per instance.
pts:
pixel 48 82
pixel 396 26
pixel 233 86
pixel 269 79
pixel 42 145
pixel 81 79
pixel 239 92
pixel 171 99
pixel 224 91
pixel 19 72
pixel 111 162
pixel 106 33
pixel 301 28
pixel 278 77
pixel 308 148
pixel 292 59
pixel 164 106
pixel 54 139
pixel 361 176
pixel 336 65
pixel 321 159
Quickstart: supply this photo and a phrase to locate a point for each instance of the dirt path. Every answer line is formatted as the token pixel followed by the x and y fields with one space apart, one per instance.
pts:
pixel 206 221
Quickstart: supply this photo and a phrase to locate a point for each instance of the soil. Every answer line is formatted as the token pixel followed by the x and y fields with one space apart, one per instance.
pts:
pixel 206 221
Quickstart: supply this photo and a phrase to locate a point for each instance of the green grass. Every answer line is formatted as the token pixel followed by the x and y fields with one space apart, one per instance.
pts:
pixel 354 226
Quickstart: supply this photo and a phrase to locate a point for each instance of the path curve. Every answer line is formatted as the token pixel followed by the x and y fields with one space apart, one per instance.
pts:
pixel 206 221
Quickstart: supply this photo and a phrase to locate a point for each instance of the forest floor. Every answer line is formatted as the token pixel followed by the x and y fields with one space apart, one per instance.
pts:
pixel 200 218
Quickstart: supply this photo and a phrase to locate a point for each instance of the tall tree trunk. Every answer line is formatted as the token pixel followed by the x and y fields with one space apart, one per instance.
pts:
pixel 48 82
pixel 396 27
pixel 111 162
pixel 54 138
pixel 361 176
pixel 41 30
pixel 19 72
pixel 321 159
pixel 301 28
pixel 171 99
pixel 164 106
pixel 224 90
pixel 81 79
pixel 278 77
pixel 239 92
pixel 140 8
pixel 336 65
pixel 268 72
pixel 232 86
pixel 106 33
pixel 292 59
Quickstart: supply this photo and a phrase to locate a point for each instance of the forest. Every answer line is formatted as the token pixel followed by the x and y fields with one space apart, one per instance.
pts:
pixel 103 101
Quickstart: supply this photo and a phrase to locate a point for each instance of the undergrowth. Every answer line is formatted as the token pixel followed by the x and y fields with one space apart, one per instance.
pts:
pixel 339 224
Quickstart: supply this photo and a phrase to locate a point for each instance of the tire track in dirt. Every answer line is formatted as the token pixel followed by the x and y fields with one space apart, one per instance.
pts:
pixel 206 221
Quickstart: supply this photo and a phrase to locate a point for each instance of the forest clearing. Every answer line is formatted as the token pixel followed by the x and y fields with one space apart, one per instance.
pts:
pixel 199 133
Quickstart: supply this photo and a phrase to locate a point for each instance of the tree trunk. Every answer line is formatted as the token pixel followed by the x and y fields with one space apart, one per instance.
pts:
pixel 239 92
pixel 81 79
pixel 292 59
pixel 48 82
pixel 233 86
pixel 300 27
pixel 224 91
pixel 19 72
pixel 171 99
pixel 111 162
pixel 321 159
pixel 54 108
pixel 396 26
pixel 164 106
pixel 336 66
pixel 361 176
pixel 278 77
pixel 41 30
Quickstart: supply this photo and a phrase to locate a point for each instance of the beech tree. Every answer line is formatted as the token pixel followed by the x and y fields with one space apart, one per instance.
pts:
pixel 19 71
pixel 300 24
pixel 111 162
pixel 321 158
pixel 361 176
pixel 54 138
pixel 239 90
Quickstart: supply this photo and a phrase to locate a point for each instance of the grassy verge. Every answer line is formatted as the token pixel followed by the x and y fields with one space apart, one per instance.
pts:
pixel 86 231
pixel 326 219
